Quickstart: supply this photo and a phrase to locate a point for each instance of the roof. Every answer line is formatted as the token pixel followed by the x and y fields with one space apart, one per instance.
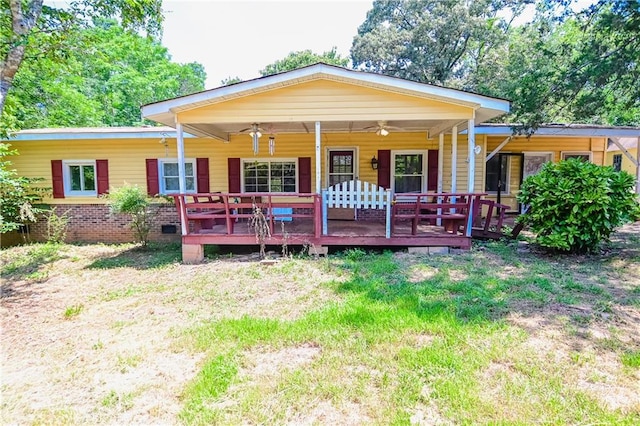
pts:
pixel 165 112
pixel 65 133
pixel 589 130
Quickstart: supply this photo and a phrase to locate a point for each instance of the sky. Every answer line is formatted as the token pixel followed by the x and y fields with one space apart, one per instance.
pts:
pixel 239 38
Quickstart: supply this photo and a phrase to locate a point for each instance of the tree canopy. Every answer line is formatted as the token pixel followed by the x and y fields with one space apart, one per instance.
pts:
pixel 30 29
pixel 104 84
pixel 303 58
pixel 563 66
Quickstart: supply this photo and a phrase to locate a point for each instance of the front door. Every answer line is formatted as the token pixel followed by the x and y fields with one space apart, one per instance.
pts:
pixel 341 169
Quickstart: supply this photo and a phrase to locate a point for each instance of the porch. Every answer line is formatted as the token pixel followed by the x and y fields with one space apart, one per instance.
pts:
pixel 414 220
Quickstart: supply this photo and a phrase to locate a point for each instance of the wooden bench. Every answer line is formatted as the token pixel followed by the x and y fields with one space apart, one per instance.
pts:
pixel 451 209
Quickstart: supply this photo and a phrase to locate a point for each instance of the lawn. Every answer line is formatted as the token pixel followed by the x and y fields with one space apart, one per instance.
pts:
pixel 97 334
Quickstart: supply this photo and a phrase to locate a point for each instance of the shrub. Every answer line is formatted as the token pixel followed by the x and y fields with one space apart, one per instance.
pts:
pixel 574 205
pixel 132 200
pixel 57 225
pixel 18 194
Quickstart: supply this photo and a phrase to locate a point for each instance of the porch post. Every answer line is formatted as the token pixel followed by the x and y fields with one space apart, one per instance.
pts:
pixel 181 171
pixel 318 159
pixel 454 159
pixel 471 148
pixel 440 173
pixel 181 177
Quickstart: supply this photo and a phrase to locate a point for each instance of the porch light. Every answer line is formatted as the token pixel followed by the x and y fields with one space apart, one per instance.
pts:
pixel 374 163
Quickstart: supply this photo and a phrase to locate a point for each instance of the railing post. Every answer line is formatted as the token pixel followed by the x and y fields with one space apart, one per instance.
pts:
pixel 318 209
pixel 471 200
pixel 387 232
pixel 325 201
pixel 184 224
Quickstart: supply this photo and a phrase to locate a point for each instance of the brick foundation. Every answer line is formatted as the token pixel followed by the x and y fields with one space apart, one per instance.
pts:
pixel 93 223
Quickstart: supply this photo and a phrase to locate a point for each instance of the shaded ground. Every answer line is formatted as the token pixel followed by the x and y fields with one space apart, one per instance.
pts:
pixel 88 332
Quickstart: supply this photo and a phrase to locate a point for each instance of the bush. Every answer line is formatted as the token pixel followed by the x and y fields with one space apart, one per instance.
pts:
pixel 57 225
pixel 575 205
pixel 132 200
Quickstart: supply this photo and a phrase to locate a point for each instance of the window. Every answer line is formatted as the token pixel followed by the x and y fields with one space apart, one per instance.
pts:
pixel 169 179
pixel 585 156
pixel 80 178
pixel 617 162
pixel 497 174
pixel 341 166
pixel 269 176
pixel 409 171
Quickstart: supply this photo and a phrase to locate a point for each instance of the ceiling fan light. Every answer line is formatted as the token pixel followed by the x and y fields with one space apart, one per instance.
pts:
pixel 383 132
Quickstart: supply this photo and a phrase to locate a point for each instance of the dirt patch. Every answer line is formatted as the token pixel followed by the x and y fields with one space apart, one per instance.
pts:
pixel 115 361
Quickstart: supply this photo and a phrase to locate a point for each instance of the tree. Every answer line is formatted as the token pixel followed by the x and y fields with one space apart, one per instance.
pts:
pixel 431 41
pixel 30 29
pixel 574 66
pixel 103 86
pixel 302 58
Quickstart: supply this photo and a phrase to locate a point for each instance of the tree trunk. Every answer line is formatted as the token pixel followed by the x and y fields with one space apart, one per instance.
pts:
pixel 22 24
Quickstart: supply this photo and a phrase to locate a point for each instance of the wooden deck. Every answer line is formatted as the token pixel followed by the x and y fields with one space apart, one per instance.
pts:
pixel 440 220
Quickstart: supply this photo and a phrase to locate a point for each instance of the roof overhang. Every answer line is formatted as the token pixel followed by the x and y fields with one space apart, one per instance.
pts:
pixel 92 133
pixel 167 112
pixel 585 130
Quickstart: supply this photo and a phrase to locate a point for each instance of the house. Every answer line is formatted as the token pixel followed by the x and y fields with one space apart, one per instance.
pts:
pixel 623 154
pixel 332 156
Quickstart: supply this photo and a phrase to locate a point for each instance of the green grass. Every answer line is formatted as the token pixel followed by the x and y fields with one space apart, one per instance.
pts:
pixel 474 368
pixel 379 338
pixel 73 311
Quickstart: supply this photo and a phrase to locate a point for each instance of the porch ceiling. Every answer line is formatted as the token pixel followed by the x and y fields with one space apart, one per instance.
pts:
pixel 225 130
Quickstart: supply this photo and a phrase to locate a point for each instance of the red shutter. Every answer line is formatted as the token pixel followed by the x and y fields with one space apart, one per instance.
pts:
pixel 432 170
pixel 384 168
pixel 234 175
pixel 57 178
pixel 102 170
pixel 304 175
pixel 202 171
pixel 153 183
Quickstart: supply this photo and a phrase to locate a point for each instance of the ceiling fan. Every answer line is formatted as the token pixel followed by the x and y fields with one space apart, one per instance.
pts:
pixel 255 131
pixel 382 128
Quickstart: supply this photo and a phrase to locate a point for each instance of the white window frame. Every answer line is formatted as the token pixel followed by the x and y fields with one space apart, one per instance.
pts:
pixel 66 176
pixel 589 153
pixel 425 172
pixel 356 161
pixel 507 186
pixel 243 161
pixel 161 182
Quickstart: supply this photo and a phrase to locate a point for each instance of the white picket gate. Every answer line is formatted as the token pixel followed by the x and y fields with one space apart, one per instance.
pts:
pixel 356 194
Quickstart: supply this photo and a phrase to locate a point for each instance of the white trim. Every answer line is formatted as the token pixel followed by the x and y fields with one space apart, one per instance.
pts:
pixel 161 177
pixel 471 152
pixel 454 159
pixel 568 130
pixel 66 178
pixel 97 133
pixel 589 153
pixel 356 161
pixel 243 161
pixel 423 152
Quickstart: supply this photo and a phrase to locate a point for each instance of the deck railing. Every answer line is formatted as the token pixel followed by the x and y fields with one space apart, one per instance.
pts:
pixel 207 210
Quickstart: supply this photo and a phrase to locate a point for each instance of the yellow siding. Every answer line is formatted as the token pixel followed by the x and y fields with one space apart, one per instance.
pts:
pixel 324 100
pixel 627 165
pixel 127 156
pixel 556 145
